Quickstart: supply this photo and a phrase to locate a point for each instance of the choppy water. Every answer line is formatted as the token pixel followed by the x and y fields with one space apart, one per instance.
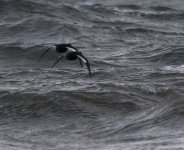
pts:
pixel 135 99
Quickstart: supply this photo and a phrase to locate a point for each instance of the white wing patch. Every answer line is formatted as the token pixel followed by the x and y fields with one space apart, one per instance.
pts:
pixel 71 49
pixel 82 59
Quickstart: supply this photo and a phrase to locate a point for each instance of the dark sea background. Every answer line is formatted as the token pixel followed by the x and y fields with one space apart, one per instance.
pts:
pixel 135 99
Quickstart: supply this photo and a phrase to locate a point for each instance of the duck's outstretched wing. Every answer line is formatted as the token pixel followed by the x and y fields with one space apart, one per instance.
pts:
pixel 44 53
pixel 85 60
pixel 57 61
pixel 81 62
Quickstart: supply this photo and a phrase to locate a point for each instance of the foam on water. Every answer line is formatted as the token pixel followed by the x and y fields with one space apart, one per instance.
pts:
pixel 175 69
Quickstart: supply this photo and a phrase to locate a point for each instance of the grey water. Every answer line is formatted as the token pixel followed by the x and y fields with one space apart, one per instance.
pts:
pixel 135 98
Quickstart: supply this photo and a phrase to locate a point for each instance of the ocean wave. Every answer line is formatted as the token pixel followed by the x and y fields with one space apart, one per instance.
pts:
pixel 145 30
pixel 30 105
pixel 132 7
pixel 174 69
pixel 164 114
pixel 123 98
pixel 167 16
pixel 156 12
pixel 99 10
pixel 135 50
pixel 171 54
pixel 162 8
pixel 23 5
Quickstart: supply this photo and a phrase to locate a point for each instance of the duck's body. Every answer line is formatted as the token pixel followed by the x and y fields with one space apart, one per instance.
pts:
pixel 62 48
pixel 72 53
